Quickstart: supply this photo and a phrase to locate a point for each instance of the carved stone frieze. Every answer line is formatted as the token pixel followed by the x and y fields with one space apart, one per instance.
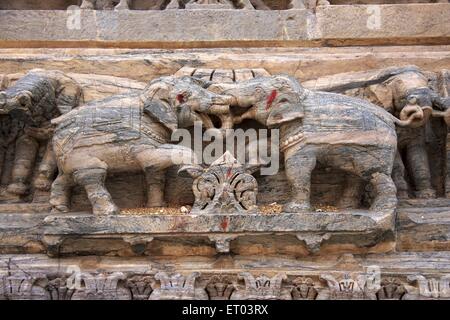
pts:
pixel 101 286
pixel 140 286
pixel 261 288
pixel 16 287
pixel 303 289
pixel 178 287
pixel 429 288
pixel 225 187
pixel 391 289
pixel 60 288
pixel 220 287
pixel 350 287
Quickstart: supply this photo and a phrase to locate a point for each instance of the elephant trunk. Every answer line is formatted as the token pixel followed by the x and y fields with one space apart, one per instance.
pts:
pixel 414 116
pixel 3 100
pixel 221 108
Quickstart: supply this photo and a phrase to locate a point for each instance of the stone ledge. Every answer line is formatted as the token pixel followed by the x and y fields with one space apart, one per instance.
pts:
pixel 351 221
pixel 331 26
pixel 310 229
pixel 372 277
pixel 399 263
pixel 422 229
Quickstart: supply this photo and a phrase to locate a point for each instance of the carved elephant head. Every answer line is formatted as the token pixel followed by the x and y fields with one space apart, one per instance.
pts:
pixel 442 108
pixel 181 101
pixel 408 96
pixel 272 100
pixel 16 103
pixel 40 96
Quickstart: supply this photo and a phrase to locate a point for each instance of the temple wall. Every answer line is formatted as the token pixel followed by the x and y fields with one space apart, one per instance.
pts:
pixel 356 48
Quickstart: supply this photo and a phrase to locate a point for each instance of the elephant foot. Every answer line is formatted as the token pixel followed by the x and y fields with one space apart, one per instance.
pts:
pixel 297 207
pixel 107 209
pixel 18 188
pixel 87 5
pixel 425 194
pixel 42 183
pixel 60 209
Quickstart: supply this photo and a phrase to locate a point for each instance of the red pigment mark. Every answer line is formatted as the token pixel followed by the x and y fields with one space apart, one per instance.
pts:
pixel 229 172
pixel 271 99
pixel 180 98
pixel 224 224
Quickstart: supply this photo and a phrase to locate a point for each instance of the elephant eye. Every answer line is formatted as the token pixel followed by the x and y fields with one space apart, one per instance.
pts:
pixel 180 98
pixel 24 100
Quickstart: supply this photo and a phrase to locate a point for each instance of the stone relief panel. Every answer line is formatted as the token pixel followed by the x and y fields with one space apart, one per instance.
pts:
pixel 403 91
pixel 244 286
pixel 130 133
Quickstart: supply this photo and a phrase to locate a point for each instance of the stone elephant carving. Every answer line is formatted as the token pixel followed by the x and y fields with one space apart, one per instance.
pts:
pixel 34 100
pixel 402 94
pixel 106 4
pixel 442 110
pixel 347 133
pixel 126 133
pixel 402 91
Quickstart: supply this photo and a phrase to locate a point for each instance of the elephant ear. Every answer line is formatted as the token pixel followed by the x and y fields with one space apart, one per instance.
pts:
pixel 382 95
pixel 283 113
pixel 161 112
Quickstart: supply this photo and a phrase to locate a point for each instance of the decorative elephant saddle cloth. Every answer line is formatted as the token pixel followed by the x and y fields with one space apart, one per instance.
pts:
pixel 100 123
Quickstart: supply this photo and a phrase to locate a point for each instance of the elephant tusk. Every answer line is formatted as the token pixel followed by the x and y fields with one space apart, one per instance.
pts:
pixel 219 109
pixel 442 114
pixel 227 121
pixel 227 100
pixel 206 120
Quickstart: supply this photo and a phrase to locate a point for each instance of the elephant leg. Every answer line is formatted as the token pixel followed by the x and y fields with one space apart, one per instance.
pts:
pixel 155 161
pixel 398 175
pixel 88 4
pixel 46 170
pixel 417 161
pixel 60 193
pixel 26 150
pixel 299 166
pixel 123 5
pixel 385 192
pixel 93 181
